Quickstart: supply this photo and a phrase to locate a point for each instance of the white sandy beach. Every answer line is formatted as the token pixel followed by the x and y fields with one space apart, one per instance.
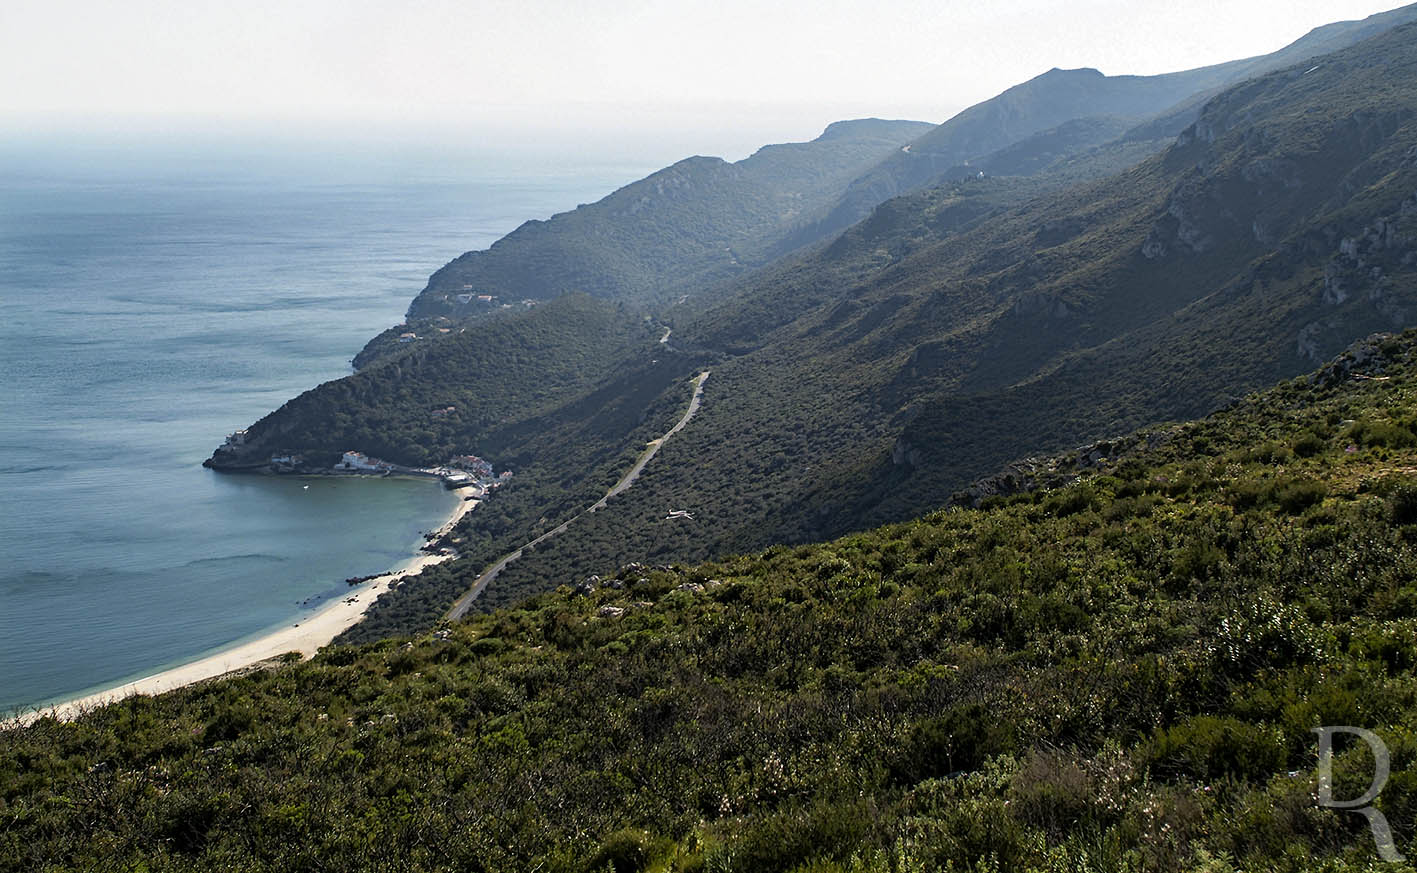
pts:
pixel 306 637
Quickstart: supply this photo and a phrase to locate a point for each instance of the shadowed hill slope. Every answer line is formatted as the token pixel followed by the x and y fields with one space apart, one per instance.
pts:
pixel 871 381
pixel 696 222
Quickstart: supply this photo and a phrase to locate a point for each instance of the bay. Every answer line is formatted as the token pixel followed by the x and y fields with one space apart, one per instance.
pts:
pixel 147 309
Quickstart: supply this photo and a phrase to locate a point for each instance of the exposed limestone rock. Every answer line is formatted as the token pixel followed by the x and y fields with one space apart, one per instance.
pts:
pixel 1273 173
pixel 1361 266
pixel 1307 343
pixel 1369 357
pixel 1154 248
pixel 1181 228
pixel 1037 303
pixel 1055 471
pixel 903 453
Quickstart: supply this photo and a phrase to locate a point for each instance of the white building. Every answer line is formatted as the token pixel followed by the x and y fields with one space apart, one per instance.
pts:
pixel 360 462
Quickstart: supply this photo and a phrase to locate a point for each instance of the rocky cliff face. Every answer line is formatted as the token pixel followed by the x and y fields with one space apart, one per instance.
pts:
pixel 1367 278
pixel 1249 183
pixel 1362 265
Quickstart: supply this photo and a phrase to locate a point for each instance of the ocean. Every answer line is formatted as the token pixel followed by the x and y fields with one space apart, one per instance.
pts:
pixel 148 308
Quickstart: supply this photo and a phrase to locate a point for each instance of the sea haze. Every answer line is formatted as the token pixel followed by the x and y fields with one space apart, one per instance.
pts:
pixel 150 305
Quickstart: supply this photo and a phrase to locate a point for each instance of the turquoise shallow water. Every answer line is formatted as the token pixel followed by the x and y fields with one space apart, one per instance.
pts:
pixel 145 314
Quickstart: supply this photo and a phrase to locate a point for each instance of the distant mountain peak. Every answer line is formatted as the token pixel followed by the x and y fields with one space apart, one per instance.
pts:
pixel 863 127
pixel 1079 72
pixel 691 162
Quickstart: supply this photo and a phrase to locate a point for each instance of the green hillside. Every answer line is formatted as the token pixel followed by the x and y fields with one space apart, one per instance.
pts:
pixel 447 394
pixel 696 222
pixel 938 341
pixel 1118 673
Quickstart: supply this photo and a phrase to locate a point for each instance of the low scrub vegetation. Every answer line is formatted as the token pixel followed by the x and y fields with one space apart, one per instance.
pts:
pixel 1116 674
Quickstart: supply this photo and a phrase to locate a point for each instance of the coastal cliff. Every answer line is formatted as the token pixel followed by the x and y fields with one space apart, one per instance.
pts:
pixel 446 395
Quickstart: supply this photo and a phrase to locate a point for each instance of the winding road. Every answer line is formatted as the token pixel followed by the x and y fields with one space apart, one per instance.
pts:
pixel 464 603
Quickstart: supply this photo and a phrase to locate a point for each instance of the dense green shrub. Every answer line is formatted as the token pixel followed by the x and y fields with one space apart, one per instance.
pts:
pixel 1309 444
pixel 1402 504
pixel 960 740
pixel 1376 433
pixel 1295 497
pixel 626 851
pixel 1210 748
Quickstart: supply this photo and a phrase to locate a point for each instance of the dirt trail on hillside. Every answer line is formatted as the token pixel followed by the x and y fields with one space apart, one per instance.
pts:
pixel 464 603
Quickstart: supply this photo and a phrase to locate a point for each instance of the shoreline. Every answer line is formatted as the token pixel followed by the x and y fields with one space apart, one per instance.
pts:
pixel 307 637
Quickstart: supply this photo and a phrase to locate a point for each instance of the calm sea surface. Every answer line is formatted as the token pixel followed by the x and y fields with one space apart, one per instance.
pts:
pixel 144 314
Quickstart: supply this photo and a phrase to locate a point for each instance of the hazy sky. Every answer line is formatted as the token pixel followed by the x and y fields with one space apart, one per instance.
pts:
pixel 729 72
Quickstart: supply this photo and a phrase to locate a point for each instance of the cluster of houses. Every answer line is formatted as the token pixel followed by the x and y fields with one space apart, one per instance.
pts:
pixel 472 464
pixel 470 470
pixel 471 295
pixel 464 471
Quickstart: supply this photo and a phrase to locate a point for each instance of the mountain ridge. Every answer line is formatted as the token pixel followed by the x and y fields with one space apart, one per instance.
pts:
pixel 679 225
pixel 1056 96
